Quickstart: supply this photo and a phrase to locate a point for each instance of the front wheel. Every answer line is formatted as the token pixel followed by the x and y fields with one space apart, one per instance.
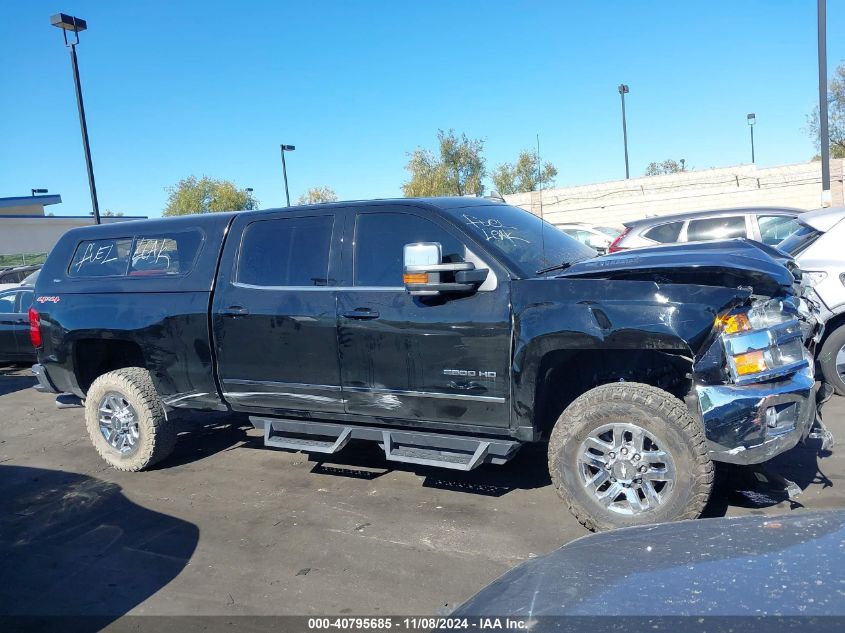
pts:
pixel 627 454
pixel 126 421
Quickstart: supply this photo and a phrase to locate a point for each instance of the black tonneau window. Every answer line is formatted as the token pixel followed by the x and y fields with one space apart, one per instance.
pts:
pixel 165 254
pixel 101 258
pixel 171 253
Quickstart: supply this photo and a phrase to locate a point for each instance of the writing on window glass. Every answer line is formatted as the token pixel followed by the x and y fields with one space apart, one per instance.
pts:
pixel 94 254
pixel 153 252
pixel 494 230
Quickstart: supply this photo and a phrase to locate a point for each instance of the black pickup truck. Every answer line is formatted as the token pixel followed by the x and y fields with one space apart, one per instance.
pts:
pixel 449 331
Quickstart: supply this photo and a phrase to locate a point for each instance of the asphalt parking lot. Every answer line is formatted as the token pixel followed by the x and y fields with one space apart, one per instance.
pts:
pixel 227 527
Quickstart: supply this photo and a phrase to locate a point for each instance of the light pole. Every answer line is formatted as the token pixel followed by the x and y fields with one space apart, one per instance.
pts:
pixel 623 90
pixel 286 148
pixel 824 136
pixel 752 119
pixel 69 23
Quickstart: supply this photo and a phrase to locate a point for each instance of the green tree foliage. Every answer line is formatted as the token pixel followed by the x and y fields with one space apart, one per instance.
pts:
pixel 835 115
pixel 207 195
pixel 523 175
pixel 316 195
pixel 108 213
pixel 457 170
pixel 668 166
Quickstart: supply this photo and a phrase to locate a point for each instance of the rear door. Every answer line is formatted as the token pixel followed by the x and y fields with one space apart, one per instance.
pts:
pixel 274 314
pixel 9 318
pixel 719 228
pixel 24 344
pixel 438 359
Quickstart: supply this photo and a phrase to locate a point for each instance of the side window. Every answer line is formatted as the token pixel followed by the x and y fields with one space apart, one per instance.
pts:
pixel 165 254
pixel 716 228
pixel 379 242
pixel 776 228
pixel 7 302
pixel 665 233
pixel 25 300
pixel 286 252
pixel 101 258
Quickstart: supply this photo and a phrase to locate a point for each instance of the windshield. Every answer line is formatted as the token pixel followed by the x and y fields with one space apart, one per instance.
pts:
pixel 799 240
pixel 520 238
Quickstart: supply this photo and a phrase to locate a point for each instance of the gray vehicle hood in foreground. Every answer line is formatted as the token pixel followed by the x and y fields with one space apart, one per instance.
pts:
pixel 730 263
pixel 792 565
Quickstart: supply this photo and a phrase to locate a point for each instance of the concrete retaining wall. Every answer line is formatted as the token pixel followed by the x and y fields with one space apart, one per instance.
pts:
pixel 612 203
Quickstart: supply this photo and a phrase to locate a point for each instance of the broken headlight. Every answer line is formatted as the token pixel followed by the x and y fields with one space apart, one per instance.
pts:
pixel 762 342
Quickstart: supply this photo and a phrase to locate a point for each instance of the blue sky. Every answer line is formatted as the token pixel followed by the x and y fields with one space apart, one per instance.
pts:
pixel 212 88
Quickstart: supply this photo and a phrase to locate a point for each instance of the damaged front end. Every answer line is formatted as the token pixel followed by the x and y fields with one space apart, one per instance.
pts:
pixel 764 401
pixel 752 378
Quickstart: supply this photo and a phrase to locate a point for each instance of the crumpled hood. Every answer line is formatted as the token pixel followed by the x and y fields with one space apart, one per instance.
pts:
pixel 731 263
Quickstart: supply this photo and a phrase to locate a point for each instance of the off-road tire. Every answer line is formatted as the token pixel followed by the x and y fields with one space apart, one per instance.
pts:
pixel 660 414
pixel 156 435
pixel 827 359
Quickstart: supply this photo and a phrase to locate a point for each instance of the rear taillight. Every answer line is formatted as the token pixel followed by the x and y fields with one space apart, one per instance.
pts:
pixel 614 245
pixel 34 328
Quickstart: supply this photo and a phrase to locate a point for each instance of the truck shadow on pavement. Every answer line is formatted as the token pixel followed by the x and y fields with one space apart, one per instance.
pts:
pixel 73 545
pixel 363 460
pixel 202 435
pixel 13 379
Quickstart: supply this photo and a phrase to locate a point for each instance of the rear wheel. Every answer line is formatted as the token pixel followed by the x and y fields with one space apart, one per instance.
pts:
pixel 629 454
pixel 126 421
pixel 832 360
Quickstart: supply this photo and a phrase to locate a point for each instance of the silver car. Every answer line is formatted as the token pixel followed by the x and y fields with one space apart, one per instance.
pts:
pixel 819 247
pixel 596 237
pixel 769 225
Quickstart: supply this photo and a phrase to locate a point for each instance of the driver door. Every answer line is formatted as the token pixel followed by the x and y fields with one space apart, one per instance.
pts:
pixel 439 359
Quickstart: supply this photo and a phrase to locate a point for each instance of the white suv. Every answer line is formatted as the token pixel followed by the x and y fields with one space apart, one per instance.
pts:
pixel 819 247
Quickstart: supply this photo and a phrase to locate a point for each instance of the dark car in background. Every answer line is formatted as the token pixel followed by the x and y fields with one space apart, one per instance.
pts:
pixel 15 345
pixel 769 225
pixel 783 566
pixel 14 276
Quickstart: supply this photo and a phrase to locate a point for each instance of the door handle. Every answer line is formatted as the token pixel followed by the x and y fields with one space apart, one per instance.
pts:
pixel 235 311
pixel 361 313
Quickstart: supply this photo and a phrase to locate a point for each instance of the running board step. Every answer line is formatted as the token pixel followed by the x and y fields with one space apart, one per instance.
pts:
pixel 427 449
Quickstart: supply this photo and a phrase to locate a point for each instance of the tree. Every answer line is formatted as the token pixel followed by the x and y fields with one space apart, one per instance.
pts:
pixel 835 115
pixel 522 176
pixel 108 213
pixel 458 170
pixel 316 195
pixel 207 195
pixel 668 166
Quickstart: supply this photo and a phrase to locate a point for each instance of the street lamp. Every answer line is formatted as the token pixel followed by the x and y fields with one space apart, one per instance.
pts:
pixel 35 191
pixel 286 148
pixel 824 136
pixel 69 23
pixel 751 121
pixel 623 90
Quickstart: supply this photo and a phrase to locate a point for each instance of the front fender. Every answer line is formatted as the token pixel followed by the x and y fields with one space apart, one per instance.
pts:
pixel 608 316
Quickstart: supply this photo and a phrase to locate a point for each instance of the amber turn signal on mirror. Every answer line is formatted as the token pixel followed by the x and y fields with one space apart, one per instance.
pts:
pixel 415 278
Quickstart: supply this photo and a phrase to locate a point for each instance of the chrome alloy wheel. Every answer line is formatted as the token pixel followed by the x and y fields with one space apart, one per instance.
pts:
pixel 624 469
pixel 840 363
pixel 118 422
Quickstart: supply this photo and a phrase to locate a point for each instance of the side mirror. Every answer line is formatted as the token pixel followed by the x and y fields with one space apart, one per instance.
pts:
pixel 425 274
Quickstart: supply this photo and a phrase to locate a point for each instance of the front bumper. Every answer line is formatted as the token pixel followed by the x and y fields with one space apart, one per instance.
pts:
pixel 44 385
pixel 750 424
